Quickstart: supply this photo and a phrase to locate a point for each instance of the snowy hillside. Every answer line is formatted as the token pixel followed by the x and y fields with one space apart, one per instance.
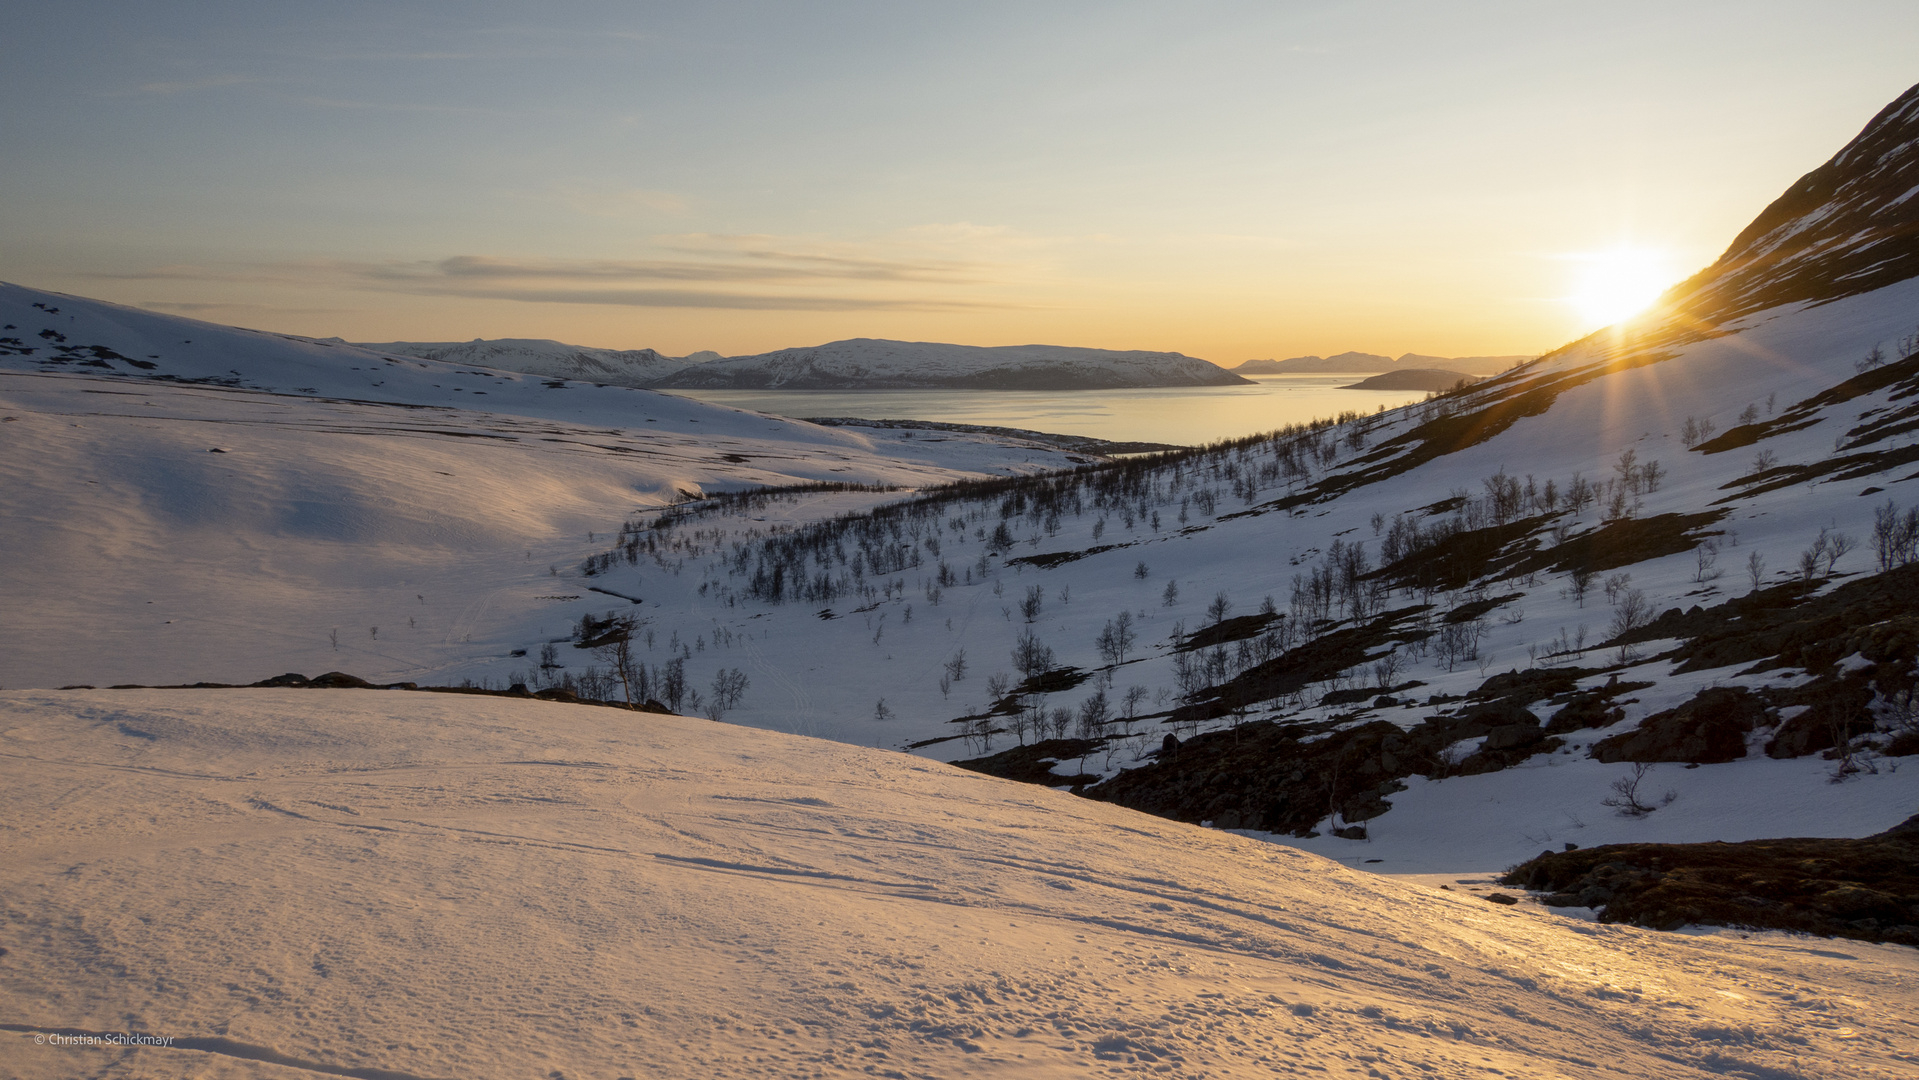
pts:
pixel 871 364
pixel 189 501
pixel 553 359
pixel 284 883
pixel 1364 634
pixel 1361 633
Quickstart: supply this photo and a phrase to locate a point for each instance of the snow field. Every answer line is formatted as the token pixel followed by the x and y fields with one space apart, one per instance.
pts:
pixel 439 886
pixel 137 554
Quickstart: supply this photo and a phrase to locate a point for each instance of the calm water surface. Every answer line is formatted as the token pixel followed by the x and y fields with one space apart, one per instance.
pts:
pixel 1185 415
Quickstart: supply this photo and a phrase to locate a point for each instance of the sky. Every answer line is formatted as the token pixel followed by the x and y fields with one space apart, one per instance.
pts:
pixel 1228 180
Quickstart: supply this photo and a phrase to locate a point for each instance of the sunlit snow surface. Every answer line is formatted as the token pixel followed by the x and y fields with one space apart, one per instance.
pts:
pixel 440 886
pixel 391 516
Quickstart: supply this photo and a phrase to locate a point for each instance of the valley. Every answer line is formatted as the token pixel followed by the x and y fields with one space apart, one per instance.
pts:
pixel 719 743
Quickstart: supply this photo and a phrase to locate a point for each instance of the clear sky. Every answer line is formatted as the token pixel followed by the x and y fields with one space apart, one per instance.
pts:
pixel 1230 180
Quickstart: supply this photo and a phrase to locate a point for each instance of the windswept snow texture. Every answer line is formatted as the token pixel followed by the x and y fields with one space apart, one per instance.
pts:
pixel 184 501
pixel 615 367
pixel 370 883
pixel 875 364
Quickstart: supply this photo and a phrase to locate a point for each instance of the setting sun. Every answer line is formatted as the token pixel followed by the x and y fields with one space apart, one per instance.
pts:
pixel 1619 283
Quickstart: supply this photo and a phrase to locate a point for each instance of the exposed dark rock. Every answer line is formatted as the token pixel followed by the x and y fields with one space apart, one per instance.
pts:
pixel 1867 889
pixel 1532 684
pixel 1316 660
pixel 1708 729
pixel 334 680
pixel 338 680
pixel 1049 682
pixel 1458 560
pixel 1589 710
pixel 1267 778
pixel 1227 631
pixel 291 678
pixel 1475 609
pixel 1033 764
pixel 1510 736
pixel 1050 559
pixel 593 633
pixel 1625 541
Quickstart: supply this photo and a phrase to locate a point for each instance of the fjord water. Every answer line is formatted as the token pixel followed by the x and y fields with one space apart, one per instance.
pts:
pixel 1184 415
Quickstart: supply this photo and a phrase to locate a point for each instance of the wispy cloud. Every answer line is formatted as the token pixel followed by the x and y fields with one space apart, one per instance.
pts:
pixel 170 272
pixel 398 106
pixel 195 308
pixel 410 56
pixel 757 279
pixel 744 266
pixel 185 86
pixel 691 298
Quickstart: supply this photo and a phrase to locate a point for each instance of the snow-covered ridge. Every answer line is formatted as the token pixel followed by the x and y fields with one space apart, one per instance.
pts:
pixel 875 364
pixel 539 356
pixel 1848 227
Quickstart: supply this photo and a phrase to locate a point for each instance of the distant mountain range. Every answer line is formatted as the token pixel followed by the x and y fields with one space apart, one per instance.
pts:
pixel 854 364
pixel 876 364
pixel 1369 363
pixel 538 356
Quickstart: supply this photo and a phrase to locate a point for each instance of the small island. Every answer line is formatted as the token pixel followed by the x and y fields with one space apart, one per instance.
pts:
pixel 1413 379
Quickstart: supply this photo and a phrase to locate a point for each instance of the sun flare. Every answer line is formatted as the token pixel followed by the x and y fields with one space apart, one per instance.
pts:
pixel 1618 283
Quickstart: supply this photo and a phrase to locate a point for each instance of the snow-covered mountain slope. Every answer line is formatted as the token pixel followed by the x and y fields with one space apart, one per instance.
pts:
pixel 287 883
pixel 1849 227
pixel 51 332
pixel 538 356
pixel 874 364
pixel 189 501
pixel 1668 544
